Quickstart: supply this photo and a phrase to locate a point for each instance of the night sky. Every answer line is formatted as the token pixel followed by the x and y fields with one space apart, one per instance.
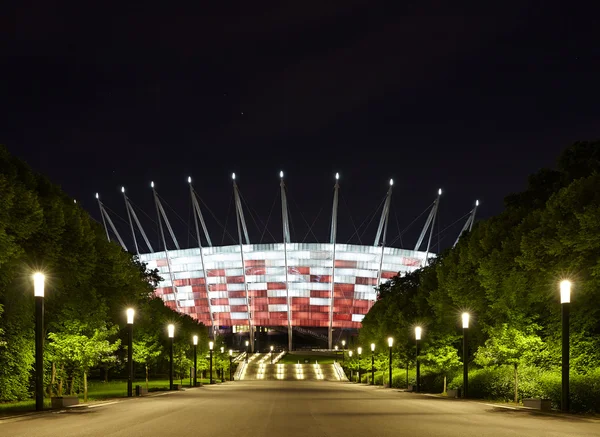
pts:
pixel 470 98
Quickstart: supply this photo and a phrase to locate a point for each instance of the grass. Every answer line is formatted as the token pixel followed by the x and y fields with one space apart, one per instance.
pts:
pixel 293 359
pixel 97 390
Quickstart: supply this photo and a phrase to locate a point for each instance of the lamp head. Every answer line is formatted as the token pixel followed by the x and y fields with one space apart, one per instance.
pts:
pixel 152 184
pixel 271 348
pixel 189 179
pixel 337 176
pixel 336 347
pixel 350 354
pixel 171 330
pixel 343 342
pixel 281 174
pixel 130 314
pixel 122 189
pixel 195 340
pixel 222 349
pixel 233 176
pixel 210 345
pixel 247 343
pixel 230 352
pixel 359 350
pixel 565 291
pixel 38 284
pixel 391 182
pixel 465 320
pixel 477 203
pixel 418 332
pixel 390 341
pixel 440 192
pixel 372 347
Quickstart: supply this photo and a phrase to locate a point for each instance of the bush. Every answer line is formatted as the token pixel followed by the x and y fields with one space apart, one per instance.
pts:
pixel 497 383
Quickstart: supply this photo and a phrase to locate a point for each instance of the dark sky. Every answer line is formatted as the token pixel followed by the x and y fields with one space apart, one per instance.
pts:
pixel 471 98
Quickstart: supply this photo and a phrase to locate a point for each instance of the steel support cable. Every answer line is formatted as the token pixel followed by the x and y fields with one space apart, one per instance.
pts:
pixel 373 216
pixel 224 227
pixel 141 210
pixel 398 226
pixel 304 219
pixel 311 226
pixel 412 223
pixel 250 210
pixel 351 219
pixel 226 220
pixel 114 213
pixel 189 232
pixel 269 217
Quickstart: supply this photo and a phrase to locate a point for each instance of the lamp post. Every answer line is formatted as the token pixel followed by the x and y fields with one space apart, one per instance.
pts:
pixel 210 348
pixel 417 338
pixel 271 354
pixel 130 314
pixel 221 366
pixel 390 343
pixel 565 300
pixel 359 351
pixel 372 363
pixel 247 343
pixel 171 330
pixel 230 358
pixel 343 351
pixel 195 342
pixel 38 292
pixel 465 325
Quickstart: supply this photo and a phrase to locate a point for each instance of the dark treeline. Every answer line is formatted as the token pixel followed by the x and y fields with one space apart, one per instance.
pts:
pixel 90 283
pixel 506 274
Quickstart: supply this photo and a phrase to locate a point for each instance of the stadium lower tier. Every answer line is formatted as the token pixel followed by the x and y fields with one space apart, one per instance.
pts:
pixel 270 283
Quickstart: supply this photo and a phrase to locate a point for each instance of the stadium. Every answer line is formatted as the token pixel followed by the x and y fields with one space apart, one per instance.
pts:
pixel 288 289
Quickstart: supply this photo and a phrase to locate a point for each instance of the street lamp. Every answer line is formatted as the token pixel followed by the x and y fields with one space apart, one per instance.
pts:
pixel 230 358
pixel 130 314
pixel 372 364
pixel 390 343
pixel 465 325
pixel 171 330
pixel 38 292
pixel 359 351
pixel 221 367
pixel 350 357
pixel 195 342
pixel 271 354
pixel 247 343
pixel 210 348
pixel 343 351
pixel 417 338
pixel 565 300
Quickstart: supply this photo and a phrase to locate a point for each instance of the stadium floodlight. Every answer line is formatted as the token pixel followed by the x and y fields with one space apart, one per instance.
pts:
pixel 152 184
pixel 477 203
pixel 337 176
pixel 233 176
pixel 281 174
pixel 189 179
pixel 440 192
pixel 391 182
pixel 97 196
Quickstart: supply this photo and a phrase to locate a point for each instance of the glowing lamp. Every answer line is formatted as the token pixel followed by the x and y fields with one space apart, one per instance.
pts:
pixel 38 284
pixel 337 176
pixel 171 330
pixel 152 184
pixel 465 320
pixel 210 345
pixel 130 314
pixel 359 350
pixel 565 291
pixel 247 343
pixel 222 349
pixel 418 332
pixel 195 340
pixel 189 179
pixel 335 347
pixel 372 347
pixel 230 352
pixel 390 341
pixel 343 343
pixel 350 354
pixel 391 182
pixel 281 174
pixel 122 189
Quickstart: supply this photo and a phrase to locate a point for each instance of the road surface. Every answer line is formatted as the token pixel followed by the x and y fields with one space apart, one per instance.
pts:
pixel 294 408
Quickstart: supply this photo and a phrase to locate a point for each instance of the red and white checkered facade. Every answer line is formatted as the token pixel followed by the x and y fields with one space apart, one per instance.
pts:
pixel 308 282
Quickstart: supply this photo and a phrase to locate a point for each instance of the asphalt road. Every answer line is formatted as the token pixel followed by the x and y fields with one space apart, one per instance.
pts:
pixel 294 408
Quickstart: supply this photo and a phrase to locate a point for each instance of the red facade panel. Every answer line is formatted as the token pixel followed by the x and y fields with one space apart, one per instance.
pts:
pixel 254 263
pixel 238 308
pixel 388 275
pixel 257 293
pixel 276 286
pixel 237 294
pixel 299 270
pixel 222 301
pixel 235 279
pixel 256 270
pixel 278 300
pixel 346 264
pixel 216 272
pixel 320 278
pixel 366 281
pixel 217 287
pixel 300 300
pixel 320 293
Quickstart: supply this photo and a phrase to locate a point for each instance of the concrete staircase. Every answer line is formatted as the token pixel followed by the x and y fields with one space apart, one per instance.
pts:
pixel 264 371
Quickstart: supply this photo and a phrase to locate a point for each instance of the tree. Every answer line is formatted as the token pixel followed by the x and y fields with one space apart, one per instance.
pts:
pixel 146 351
pixel 442 358
pixel 78 352
pixel 510 346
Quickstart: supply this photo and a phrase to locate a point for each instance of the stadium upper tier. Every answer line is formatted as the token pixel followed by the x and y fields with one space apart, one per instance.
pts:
pixel 304 290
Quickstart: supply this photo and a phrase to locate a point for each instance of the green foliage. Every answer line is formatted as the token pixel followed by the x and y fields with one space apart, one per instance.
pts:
pixel 505 273
pixel 90 282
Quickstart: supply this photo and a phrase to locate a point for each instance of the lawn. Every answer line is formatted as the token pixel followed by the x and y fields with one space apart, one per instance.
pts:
pixel 293 359
pixel 97 390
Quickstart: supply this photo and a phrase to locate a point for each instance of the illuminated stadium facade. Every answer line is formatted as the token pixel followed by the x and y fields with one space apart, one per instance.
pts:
pixel 286 286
